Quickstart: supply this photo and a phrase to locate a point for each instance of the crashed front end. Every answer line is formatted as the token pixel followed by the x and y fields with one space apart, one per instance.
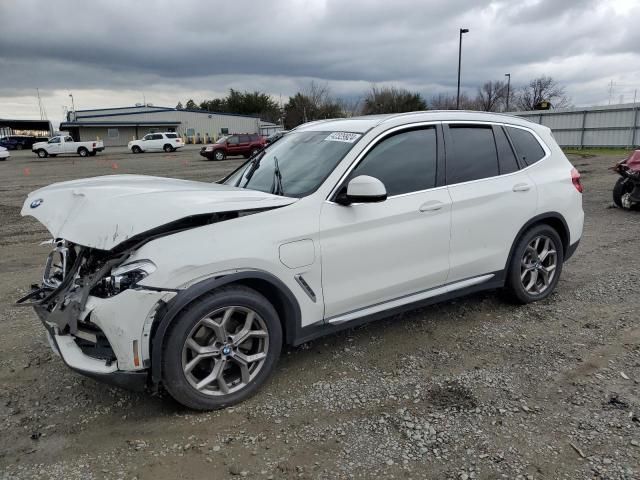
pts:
pixel 98 319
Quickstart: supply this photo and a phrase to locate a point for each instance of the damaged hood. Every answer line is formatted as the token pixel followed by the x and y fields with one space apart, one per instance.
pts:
pixel 102 212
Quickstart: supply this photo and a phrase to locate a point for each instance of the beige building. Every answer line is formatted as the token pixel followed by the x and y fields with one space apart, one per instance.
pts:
pixel 117 126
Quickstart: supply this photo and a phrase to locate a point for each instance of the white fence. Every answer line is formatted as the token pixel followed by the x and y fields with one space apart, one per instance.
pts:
pixel 608 126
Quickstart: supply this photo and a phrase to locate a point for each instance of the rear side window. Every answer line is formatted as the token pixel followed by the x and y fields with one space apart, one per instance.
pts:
pixel 171 135
pixel 472 154
pixel 244 139
pixel 526 145
pixel 157 136
pixel 404 162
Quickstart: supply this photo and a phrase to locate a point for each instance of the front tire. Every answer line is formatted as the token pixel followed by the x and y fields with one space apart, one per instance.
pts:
pixel 221 349
pixel 42 153
pixel 536 265
pixel 136 149
pixel 219 155
pixel 622 187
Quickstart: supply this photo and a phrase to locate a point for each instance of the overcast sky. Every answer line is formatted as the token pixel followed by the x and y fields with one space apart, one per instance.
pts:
pixel 117 52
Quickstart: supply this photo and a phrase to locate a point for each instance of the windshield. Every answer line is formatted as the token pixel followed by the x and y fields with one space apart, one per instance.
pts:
pixel 222 139
pixel 302 160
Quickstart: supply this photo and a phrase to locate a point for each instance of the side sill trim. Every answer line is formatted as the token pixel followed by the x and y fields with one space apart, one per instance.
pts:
pixel 407 299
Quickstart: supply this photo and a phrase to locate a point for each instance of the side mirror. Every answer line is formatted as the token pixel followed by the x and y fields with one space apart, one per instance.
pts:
pixel 363 189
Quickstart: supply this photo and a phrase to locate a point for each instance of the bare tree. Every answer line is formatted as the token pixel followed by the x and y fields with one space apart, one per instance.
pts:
pixel 443 101
pixel 491 96
pixel 392 100
pixel 542 89
pixel 351 107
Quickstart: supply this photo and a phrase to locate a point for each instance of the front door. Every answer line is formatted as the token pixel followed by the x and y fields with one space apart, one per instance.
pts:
pixel 378 252
pixel 233 145
pixel 55 146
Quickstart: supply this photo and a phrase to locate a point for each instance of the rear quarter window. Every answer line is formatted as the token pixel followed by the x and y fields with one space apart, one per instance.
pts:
pixel 527 147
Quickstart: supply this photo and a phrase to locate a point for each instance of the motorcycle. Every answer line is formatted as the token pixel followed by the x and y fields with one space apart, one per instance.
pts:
pixel 626 191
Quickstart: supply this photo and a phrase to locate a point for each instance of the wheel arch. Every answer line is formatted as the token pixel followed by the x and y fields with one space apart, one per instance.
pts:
pixel 273 289
pixel 554 220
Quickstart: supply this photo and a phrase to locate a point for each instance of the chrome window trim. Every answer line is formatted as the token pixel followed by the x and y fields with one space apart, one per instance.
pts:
pixel 379 137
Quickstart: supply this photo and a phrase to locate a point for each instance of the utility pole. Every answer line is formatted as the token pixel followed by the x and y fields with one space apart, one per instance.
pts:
pixel 611 84
pixel 462 30
pixel 73 107
pixel 508 75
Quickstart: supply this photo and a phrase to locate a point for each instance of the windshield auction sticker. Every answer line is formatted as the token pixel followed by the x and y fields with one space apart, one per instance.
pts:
pixel 346 137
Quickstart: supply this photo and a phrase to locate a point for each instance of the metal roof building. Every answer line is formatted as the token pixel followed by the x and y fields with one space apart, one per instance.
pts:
pixel 117 126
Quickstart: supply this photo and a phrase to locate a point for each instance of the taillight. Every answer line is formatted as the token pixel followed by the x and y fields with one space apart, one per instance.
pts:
pixel 575 179
pixel 94 145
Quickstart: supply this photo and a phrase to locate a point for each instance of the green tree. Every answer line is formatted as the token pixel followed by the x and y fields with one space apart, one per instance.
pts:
pixel 392 100
pixel 191 105
pixel 179 106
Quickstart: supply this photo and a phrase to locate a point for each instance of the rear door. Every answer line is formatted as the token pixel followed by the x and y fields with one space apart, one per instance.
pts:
pixel 69 145
pixel 491 198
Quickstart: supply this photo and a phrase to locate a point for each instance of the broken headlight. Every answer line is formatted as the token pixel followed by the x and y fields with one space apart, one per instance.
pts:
pixel 125 276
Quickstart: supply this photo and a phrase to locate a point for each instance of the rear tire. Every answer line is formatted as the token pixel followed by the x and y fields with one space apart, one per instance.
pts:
pixel 622 186
pixel 168 148
pixel 42 153
pixel 83 152
pixel 209 359
pixel 536 265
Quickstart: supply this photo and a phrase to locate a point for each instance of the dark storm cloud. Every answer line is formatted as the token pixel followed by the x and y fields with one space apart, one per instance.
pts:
pixel 116 45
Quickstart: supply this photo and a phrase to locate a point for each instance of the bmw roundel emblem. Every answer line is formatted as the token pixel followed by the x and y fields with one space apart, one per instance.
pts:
pixel 36 203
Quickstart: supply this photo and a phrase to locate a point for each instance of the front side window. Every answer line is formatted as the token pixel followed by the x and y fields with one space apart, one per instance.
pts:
pixel 471 154
pixel 147 137
pixel 526 145
pixel 233 140
pixel 304 161
pixel 404 162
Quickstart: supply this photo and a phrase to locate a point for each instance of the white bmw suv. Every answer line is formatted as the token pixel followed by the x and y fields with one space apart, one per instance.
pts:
pixel 156 142
pixel 197 286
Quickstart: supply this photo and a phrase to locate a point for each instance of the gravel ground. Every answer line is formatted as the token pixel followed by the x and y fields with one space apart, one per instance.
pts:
pixel 473 388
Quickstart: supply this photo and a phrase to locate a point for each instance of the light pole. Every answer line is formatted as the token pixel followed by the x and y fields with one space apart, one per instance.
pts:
pixel 508 75
pixel 462 30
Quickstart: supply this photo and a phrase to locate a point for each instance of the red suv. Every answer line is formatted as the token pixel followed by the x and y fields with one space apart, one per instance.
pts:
pixel 238 144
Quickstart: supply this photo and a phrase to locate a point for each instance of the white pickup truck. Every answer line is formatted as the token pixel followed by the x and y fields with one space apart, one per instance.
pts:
pixel 64 144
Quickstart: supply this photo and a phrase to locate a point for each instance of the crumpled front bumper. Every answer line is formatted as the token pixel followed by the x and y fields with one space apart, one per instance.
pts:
pixel 125 320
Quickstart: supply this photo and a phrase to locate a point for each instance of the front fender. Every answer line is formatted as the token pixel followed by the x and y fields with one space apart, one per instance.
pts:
pixel 166 316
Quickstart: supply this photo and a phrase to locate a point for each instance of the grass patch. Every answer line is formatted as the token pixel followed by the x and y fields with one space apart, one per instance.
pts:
pixel 597 152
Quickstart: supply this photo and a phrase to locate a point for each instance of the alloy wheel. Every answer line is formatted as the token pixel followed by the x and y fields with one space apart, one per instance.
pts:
pixel 225 350
pixel 538 265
